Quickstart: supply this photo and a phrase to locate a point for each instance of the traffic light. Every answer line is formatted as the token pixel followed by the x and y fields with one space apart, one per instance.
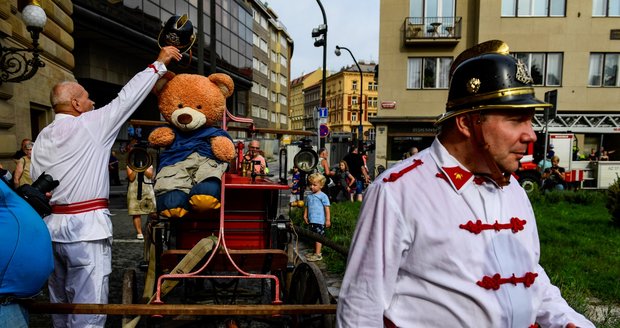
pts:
pixel 551 97
pixel 319 35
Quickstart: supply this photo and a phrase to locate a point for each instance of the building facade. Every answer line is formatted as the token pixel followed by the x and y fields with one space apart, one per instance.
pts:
pixel 273 48
pixel 571 46
pixel 24 106
pixel 345 93
pixel 296 98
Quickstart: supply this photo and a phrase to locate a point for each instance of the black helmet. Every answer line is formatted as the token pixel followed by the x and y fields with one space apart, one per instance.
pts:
pixel 486 76
pixel 178 32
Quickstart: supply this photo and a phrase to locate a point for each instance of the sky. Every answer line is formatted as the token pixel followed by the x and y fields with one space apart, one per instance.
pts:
pixel 353 24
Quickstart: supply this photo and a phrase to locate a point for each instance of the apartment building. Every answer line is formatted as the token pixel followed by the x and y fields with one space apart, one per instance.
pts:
pixel 571 46
pixel 296 98
pixel 272 51
pixel 346 90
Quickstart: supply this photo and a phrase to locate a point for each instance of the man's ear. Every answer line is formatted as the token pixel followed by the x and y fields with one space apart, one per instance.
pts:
pixel 464 124
pixel 75 104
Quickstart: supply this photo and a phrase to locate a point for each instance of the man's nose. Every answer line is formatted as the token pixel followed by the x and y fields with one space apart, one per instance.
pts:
pixel 529 134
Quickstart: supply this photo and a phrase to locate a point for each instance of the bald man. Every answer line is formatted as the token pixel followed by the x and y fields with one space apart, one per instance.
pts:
pixel 75 149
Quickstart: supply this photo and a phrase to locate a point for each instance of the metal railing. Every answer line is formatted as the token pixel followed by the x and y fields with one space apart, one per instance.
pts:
pixel 432 28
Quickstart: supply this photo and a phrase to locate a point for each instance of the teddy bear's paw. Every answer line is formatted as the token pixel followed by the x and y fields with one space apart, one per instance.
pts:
pixel 203 203
pixel 174 213
pixel 173 204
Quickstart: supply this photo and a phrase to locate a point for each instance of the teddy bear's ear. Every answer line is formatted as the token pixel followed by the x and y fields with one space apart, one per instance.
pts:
pixel 224 82
pixel 162 81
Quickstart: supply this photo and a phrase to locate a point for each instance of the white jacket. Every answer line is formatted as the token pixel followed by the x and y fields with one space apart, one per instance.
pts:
pixel 417 261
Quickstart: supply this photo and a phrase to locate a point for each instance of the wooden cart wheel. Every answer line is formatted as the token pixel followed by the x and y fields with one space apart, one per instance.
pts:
pixel 308 286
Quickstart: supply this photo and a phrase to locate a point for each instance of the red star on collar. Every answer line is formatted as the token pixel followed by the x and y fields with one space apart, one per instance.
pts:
pixel 457 175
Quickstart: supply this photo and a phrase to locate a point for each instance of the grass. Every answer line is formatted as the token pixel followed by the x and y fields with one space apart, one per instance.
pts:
pixel 580 248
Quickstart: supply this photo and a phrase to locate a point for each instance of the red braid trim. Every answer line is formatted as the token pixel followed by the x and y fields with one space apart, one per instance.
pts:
pixel 494 282
pixel 515 225
pixel 396 175
pixel 154 68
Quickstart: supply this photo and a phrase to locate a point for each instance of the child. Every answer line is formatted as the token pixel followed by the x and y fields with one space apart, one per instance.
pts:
pixel 295 190
pixel 345 180
pixel 316 212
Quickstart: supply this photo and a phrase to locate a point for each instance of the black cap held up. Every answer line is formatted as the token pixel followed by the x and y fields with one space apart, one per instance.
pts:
pixel 486 76
pixel 177 32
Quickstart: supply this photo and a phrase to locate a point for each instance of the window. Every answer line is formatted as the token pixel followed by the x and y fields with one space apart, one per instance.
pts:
pixel 428 73
pixel 256 87
pixel 604 70
pixel 372 102
pixel 354 85
pixel 283 119
pixel 431 9
pixel 371 134
pixel 263 68
pixel 354 100
pixel 263 46
pixel 372 86
pixel 255 64
pixel 535 8
pixel 605 8
pixel 545 68
pixel 353 116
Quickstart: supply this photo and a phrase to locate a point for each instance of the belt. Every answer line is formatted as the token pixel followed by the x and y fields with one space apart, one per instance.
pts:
pixel 80 207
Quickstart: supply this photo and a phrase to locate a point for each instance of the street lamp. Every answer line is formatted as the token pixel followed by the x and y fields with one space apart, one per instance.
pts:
pixel 360 137
pixel 320 35
pixel 14 65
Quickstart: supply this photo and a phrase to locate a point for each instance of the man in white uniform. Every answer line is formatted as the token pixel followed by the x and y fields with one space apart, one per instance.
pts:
pixel 447 237
pixel 75 149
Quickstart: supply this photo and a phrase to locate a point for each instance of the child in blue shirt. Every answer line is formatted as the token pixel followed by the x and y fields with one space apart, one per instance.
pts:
pixel 316 212
pixel 295 189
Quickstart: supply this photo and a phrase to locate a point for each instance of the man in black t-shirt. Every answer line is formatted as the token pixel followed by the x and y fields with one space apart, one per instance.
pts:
pixel 554 177
pixel 358 170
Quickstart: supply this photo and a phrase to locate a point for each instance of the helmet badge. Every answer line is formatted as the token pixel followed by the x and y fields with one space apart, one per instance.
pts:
pixel 473 85
pixel 172 39
pixel 523 75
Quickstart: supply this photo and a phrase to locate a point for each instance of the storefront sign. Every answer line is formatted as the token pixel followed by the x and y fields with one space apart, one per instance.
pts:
pixel 388 105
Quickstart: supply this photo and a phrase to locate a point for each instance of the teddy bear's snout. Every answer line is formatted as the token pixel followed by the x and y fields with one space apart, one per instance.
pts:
pixel 184 118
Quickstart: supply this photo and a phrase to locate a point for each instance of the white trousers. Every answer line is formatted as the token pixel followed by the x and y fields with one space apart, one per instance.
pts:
pixel 81 274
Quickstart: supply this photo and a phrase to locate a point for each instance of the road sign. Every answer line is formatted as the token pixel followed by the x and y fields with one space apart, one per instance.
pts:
pixel 323 130
pixel 322 112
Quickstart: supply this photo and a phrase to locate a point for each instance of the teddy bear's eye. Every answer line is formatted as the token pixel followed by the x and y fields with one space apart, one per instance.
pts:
pixel 199 106
pixel 180 105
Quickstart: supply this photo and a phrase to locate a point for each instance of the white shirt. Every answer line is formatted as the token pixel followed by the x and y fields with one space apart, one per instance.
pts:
pixel 413 261
pixel 76 151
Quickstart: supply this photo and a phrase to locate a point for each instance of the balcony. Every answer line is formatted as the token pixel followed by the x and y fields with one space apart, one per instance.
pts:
pixel 424 30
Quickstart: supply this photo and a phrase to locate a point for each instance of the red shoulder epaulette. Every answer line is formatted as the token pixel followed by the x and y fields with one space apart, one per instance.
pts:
pixel 394 176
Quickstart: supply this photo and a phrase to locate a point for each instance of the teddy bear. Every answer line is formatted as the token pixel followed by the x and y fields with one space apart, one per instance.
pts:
pixel 197 152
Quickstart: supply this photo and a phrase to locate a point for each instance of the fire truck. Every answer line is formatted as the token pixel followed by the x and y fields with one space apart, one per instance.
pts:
pixel 571 137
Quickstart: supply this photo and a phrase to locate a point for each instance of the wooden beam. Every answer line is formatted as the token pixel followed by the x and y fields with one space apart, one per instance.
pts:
pixel 180 309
